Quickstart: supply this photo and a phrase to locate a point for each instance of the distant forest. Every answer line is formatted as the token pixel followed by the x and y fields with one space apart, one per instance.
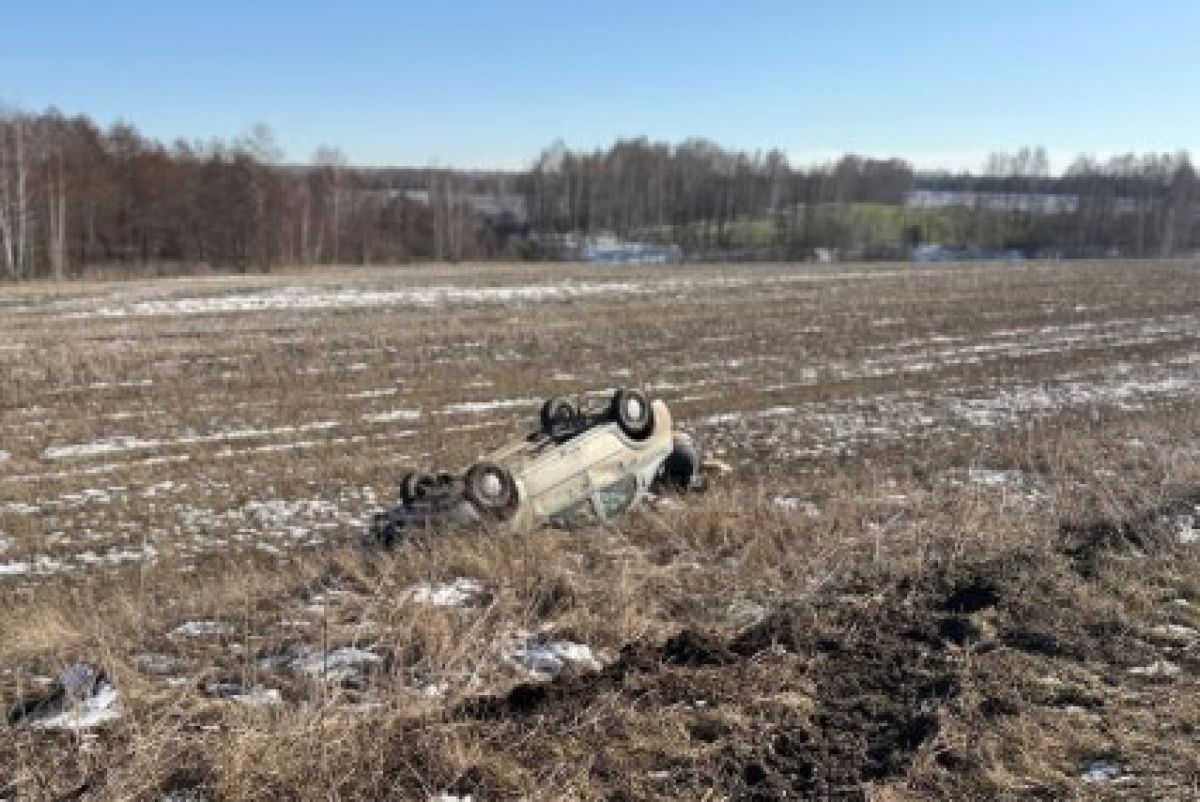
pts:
pixel 75 198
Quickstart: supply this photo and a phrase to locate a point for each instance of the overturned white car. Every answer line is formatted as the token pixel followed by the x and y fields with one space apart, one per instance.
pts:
pixel 577 467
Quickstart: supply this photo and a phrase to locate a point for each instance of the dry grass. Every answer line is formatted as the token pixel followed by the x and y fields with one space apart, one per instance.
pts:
pixel 1019 437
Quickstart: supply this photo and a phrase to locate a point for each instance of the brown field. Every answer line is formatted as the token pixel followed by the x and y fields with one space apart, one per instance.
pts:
pixel 959 556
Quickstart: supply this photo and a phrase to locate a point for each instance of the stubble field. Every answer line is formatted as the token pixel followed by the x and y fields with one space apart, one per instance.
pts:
pixel 957 556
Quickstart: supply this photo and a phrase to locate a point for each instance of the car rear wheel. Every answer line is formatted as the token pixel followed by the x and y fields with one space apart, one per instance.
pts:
pixel 631 409
pixel 491 488
pixel 556 412
pixel 681 469
pixel 414 486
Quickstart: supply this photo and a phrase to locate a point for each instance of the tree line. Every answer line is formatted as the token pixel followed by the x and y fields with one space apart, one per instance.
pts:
pixel 710 199
pixel 74 197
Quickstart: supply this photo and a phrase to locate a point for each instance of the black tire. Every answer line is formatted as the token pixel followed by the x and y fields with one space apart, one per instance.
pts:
pixel 681 469
pixel 414 486
pixel 556 412
pixel 631 409
pixel 490 487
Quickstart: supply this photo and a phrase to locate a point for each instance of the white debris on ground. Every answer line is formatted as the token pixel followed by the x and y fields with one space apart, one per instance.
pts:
pixel 1101 771
pixel 83 698
pixel 41 565
pixel 4 456
pixel 163 488
pixel 1185 526
pixel 1176 632
pixel 1159 668
pixel 197 629
pixel 253 695
pixel 338 665
pixel 157 663
pixel 545 659
pixel 796 504
pixel 451 798
pixel 993 477
pixel 455 593
pixel 745 612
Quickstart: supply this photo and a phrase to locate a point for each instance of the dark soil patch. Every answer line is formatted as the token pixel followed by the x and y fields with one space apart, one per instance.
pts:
pixel 878 675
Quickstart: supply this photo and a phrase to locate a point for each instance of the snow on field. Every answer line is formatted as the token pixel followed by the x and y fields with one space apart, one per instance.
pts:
pixel 479 407
pixel 123 443
pixel 197 629
pixel 1159 668
pixel 1186 527
pixel 544 658
pixel 308 298
pixel 313 298
pixel 253 695
pixel 41 565
pixel 392 415
pixel 834 427
pixel 455 593
pixel 100 708
pixel 338 665
pixel 96 447
pixel 381 392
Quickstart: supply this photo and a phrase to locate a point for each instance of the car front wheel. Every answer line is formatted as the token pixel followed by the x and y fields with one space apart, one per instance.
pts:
pixel 631 410
pixel 491 488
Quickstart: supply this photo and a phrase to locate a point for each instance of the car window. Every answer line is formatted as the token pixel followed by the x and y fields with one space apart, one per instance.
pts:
pixel 617 497
pixel 578 514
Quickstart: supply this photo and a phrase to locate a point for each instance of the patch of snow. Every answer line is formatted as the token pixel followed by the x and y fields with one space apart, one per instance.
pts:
pixel 1186 529
pixel 1101 771
pixel 545 659
pixel 97 447
pixel 991 477
pixel 381 392
pixel 196 629
pixel 455 593
pixel 41 565
pixel 478 407
pixel 796 504
pixel 156 663
pixel 254 695
pixel 344 662
pixel 747 613
pixel 1159 668
pixel 84 698
pixel 123 443
pixel 393 415
pixel 1176 632
pixel 162 488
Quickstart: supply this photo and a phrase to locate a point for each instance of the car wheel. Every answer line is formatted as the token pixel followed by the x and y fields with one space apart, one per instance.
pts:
pixel 415 485
pixel 491 488
pixel 682 466
pixel 556 412
pixel 631 409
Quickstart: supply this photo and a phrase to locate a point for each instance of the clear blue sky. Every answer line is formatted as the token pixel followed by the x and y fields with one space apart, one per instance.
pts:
pixel 478 84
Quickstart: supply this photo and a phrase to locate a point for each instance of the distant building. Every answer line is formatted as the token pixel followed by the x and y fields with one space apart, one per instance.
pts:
pixel 1027 202
pixel 610 250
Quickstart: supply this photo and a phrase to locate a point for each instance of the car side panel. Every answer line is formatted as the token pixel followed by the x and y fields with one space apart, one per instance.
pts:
pixel 576 470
